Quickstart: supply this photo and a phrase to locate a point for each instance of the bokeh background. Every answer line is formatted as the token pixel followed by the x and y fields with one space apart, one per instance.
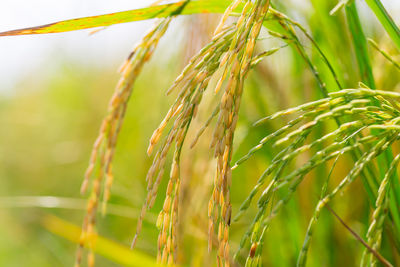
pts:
pixel 54 90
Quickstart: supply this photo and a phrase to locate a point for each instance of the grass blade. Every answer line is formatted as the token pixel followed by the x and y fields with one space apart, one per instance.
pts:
pixel 361 50
pixel 360 45
pixel 109 249
pixel 386 21
pixel 160 11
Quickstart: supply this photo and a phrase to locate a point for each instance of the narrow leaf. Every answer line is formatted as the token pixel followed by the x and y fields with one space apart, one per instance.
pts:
pixel 160 11
pixel 107 248
pixel 386 20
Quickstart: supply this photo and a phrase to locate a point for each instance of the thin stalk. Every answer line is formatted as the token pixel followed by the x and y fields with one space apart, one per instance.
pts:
pixel 384 261
pixel 313 42
pixel 384 53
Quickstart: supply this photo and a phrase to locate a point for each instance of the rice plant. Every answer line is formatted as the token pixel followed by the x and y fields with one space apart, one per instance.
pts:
pixel 350 119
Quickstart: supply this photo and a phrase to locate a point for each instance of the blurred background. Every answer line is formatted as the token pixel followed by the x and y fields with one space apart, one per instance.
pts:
pixel 54 91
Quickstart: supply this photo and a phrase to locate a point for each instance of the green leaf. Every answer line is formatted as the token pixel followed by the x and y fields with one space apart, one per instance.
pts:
pixel 107 248
pixel 386 21
pixel 361 49
pixel 360 45
pixel 160 11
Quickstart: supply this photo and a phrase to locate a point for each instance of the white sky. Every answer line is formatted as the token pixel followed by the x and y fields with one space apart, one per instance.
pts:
pixel 24 54
pixel 20 55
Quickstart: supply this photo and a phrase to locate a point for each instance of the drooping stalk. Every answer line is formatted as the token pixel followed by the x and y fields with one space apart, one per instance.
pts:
pixel 361 50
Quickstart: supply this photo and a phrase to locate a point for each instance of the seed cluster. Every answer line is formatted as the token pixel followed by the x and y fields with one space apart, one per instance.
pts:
pixel 369 110
pixel 379 215
pixel 373 128
pixel 237 60
pixel 193 81
pixel 229 52
pixel 104 146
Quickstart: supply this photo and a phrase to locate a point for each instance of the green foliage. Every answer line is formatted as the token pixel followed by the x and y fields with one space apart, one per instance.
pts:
pixel 107 248
pixel 311 154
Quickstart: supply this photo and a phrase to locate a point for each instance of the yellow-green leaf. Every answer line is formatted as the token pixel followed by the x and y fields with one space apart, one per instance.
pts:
pixel 160 11
pixel 107 248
